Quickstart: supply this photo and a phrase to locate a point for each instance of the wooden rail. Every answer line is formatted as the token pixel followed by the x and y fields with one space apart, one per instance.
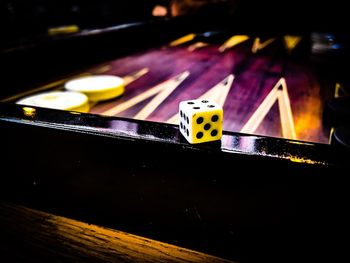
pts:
pixel 28 235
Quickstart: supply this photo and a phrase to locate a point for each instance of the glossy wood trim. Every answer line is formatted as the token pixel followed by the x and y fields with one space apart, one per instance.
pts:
pixel 296 152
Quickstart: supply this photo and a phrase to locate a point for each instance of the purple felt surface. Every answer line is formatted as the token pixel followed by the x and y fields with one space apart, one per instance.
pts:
pixel 255 76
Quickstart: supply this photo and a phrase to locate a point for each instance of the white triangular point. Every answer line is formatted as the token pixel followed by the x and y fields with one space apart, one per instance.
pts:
pixel 134 76
pixel 163 90
pixel 182 40
pixel 233 41
pixel 259 46
pixel 290 42
pixel 102 69
pixel 167 89
pixel 196 46
pixel 127 80
pixel 279 92
pixel 218 94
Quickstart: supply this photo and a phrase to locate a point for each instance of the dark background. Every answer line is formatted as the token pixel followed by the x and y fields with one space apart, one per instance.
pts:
pixel 33 17
pixel 23 18
pixel 25 24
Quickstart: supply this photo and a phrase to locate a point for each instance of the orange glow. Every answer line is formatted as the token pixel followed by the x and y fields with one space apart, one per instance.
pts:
pixel 290 42
pixel 159 10
pixel 308 120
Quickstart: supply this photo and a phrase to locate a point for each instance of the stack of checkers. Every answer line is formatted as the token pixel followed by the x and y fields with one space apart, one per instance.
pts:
pixel 79 93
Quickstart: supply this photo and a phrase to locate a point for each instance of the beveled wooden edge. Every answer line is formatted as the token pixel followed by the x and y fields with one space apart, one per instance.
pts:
pixel 35 235
pixel 292 151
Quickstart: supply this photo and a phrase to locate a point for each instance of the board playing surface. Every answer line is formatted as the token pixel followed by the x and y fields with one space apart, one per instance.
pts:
pixel 264 85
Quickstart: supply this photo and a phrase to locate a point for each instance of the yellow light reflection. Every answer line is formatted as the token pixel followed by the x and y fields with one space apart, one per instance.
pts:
pixel 63 30
pixel 29 111
pixel 233 41
pixel 257 46
pixel 290 42
pixel 301 160
pixel 75 113
pixel 297 159
pixel 301 143
pixel 182 40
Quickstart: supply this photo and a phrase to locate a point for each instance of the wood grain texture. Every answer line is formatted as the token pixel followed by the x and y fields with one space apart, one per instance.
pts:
pixel 255 75
pixel 29 235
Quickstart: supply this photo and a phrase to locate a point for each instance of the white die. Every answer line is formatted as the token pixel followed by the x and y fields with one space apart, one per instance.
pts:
pixel 200 120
